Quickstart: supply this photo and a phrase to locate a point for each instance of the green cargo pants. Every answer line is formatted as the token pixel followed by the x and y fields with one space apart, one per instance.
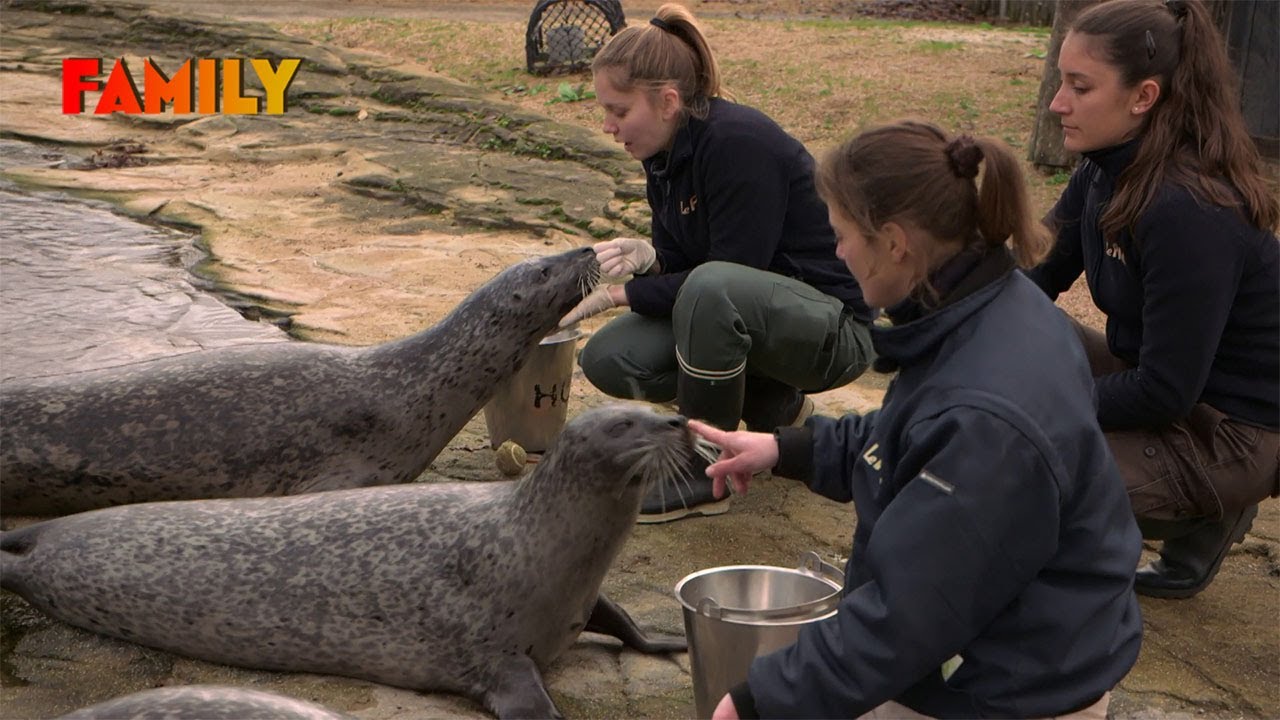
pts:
pixel 729 316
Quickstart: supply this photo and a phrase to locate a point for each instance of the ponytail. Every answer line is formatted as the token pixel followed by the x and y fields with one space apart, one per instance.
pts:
pixel 670 49
pixel 913 171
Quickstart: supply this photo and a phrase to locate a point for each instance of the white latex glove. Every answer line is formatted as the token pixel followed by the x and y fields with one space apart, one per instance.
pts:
pixel 624 256
pixel 596 302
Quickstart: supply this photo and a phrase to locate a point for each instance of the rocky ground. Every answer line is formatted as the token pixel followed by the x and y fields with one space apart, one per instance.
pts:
pixel 363 214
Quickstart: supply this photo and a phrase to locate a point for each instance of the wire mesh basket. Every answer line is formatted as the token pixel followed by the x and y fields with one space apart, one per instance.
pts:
pixel 564 35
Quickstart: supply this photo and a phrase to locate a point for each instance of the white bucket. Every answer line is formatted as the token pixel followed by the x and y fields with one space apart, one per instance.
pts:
pixel 735 613
pixel 531 407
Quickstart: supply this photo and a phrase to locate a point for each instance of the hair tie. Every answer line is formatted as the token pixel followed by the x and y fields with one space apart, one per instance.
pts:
pixel 660 24
pixel 964 155
pixel 1177 7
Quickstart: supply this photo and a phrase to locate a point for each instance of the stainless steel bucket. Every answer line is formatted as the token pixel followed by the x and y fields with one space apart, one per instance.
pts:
pixel 530 408
pixel 735 613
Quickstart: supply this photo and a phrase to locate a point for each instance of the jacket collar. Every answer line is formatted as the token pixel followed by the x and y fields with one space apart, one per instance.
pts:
pixel 668 162
pixel 963 284
pixel 1115 159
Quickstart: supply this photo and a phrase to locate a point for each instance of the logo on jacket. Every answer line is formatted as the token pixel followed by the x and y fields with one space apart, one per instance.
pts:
pixel 1115 252
pixel 869 457
pixel 689 206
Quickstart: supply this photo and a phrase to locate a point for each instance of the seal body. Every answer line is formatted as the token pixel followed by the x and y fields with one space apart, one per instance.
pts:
pixel 205 702
pixel 461 587
pixel 279 418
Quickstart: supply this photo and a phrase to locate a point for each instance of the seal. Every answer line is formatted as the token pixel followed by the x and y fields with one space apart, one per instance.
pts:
pixel 205 702
pixel 277 418
pixel 469 587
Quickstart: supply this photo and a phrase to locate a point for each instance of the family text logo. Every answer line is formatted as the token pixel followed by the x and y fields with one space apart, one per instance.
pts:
pixel 202 85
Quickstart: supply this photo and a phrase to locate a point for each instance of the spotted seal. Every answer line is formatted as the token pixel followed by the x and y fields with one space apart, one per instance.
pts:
pixel 205 702
pixel 469 587
pixel 276 418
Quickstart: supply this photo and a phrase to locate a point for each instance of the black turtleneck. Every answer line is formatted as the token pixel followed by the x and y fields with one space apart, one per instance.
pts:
pixel 1191 293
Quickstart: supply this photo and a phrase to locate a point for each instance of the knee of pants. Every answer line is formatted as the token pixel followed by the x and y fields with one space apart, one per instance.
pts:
pixel 705 290
pixel 611 373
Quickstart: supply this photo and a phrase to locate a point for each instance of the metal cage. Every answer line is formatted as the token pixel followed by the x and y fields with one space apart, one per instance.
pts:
pixel 564 35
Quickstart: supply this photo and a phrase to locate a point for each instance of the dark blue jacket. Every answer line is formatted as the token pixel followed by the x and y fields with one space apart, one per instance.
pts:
pixel 1191 295
pixel 736 187
pixel 992 524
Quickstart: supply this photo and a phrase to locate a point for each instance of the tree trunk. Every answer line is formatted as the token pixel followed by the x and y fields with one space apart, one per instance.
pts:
pixel 1045 148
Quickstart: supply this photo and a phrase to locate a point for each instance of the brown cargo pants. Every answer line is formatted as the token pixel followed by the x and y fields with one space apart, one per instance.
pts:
pixel 1203 466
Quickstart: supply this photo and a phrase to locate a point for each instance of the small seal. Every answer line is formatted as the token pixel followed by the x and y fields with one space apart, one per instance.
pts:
pixel 469 587
pixel 205 702
pixel 277 418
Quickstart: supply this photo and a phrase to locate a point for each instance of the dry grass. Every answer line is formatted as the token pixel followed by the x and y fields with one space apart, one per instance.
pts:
pixel 820 78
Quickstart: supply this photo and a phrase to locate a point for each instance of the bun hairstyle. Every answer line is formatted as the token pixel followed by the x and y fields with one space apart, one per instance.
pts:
pixel 1195 134
pixel 964 154
pixel 913 171
pixel 670 49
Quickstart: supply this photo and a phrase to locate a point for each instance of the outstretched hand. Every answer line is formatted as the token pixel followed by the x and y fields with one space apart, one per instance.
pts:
pixel 596 302
pixel 742 455
pixel 624 256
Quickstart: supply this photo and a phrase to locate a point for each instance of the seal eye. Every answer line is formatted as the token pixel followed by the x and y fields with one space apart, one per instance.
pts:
pixel 618 428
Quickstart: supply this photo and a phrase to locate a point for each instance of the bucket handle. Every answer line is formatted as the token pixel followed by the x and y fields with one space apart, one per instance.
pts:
pixel 813 564
pixel 810 564
pixel 709 607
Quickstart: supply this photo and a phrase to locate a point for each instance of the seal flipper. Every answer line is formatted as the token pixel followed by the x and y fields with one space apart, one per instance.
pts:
pixel 519 691
pixel 608 618
pixel 14 546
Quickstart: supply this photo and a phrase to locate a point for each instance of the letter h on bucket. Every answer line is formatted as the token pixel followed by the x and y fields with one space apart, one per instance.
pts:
pixel 531 407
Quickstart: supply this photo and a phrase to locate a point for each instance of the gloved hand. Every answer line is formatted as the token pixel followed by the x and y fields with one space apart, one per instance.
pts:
pixel 596 302
pixel 624 256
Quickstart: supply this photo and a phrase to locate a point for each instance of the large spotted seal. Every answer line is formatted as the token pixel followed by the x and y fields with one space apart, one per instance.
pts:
pixel 469 588
pixel 278 418
pixel 205 702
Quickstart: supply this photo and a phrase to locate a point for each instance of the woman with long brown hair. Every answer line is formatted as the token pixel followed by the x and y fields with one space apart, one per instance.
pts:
pixel 1172 224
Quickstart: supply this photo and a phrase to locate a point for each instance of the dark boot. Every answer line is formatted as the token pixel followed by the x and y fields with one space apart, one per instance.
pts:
pixel 770 404
pixel 1188 563
pixel 716 402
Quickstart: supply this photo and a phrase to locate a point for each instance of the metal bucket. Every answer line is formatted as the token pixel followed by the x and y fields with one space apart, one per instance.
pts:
pixel 735 613
pixel 530 408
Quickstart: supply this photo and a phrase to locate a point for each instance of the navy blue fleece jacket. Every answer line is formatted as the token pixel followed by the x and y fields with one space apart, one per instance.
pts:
pixel 736 187
pixel 1191 295
pixel 992 524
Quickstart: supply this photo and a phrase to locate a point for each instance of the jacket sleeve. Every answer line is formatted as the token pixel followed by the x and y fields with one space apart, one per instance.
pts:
pixel 1065 261
pixel 745 190
pixel 1192 259
pixel 823 452
pixel 975 521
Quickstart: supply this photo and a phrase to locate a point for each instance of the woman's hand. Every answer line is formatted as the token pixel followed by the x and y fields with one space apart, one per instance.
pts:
pixel 742 455
pixel 725 710
pixel 596 302
pixel 624 256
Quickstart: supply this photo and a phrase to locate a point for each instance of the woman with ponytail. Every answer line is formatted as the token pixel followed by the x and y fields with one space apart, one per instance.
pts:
pixel 1173 226
pixel 992 564
pixel 739 306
